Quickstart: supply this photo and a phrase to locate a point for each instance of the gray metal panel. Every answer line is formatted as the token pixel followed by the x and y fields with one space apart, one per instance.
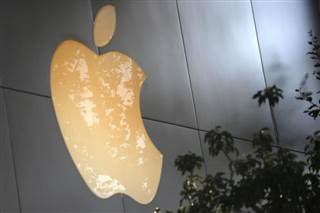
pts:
pixel 283 34
pixel 2 42
pixel 33 30
pixel 224 63
pixel 47 178
pixel 171 141
pixel 8 191
pixel 2 36
pixel 149 32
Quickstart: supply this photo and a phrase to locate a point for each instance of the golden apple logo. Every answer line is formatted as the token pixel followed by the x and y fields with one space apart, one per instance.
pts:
pixel 97 103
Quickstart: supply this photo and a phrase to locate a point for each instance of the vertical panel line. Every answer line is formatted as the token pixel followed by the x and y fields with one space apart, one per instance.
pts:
pixel 92 19
pixel 12 151
pixel 190 83
pixel 97 49
pixel 264 75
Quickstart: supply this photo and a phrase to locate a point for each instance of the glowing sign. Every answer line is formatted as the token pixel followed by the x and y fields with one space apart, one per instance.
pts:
pixel 97 103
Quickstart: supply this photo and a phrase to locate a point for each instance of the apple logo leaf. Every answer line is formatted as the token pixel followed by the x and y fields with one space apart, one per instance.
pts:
pixel 104 25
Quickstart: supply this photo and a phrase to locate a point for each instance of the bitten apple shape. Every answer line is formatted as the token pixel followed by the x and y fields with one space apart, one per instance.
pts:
pixel 97 103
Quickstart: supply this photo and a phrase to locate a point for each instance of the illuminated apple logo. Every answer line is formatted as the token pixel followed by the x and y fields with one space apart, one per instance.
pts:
pixel 97 103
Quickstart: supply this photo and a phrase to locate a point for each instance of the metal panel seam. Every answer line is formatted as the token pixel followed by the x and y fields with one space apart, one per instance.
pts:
pixel 275 126
pixel 12 152
pixel 190 84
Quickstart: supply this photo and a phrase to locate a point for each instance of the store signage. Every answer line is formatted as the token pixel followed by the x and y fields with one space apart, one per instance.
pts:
pixel 97 103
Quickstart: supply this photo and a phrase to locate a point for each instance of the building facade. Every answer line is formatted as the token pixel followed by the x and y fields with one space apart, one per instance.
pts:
pixel 203 61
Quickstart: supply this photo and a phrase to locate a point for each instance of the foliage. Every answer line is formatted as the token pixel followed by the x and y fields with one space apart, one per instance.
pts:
pixel 270 179
pixel 308 96
pixel 188 162
pixel 272 94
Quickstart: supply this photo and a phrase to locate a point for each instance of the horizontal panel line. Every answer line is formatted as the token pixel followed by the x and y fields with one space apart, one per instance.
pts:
pixel 25 92
pixel 243 140
pixel 150 119
pixel 174 124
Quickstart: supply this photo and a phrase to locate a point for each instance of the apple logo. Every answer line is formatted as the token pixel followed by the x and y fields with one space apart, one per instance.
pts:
pixel 96 99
